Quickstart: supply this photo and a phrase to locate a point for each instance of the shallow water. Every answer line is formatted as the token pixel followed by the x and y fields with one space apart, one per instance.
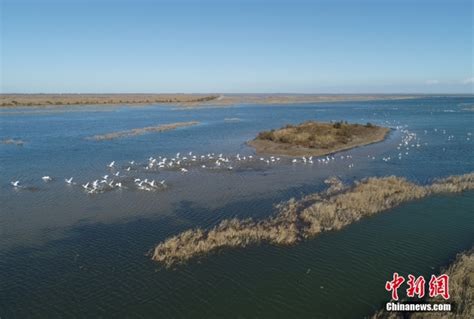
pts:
pixel 66 253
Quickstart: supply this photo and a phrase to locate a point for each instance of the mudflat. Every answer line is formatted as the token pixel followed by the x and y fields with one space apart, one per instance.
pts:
pixel 141 131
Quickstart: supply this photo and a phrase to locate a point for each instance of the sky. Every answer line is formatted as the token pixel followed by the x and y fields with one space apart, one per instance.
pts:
pixel 236 46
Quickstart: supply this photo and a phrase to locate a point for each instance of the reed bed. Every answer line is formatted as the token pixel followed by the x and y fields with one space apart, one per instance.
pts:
pixel 13 100
pixel 296 220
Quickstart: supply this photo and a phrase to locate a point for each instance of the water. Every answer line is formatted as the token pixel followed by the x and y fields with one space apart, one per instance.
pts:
pixel 66 253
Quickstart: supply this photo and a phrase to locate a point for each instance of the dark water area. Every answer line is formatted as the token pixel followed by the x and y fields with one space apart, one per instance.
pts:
pixel 66 253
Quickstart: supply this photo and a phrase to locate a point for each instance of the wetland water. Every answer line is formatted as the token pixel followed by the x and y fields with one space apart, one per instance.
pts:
pixel 64 252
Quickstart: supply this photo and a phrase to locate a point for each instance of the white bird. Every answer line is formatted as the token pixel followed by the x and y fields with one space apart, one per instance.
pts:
pixel 117 174
pixel 86 185
pixel 68 181
pixel 162 182
pixel 111 164
pixel 118 184
pixel 184 170
pixel 105 176
pixel 15 183
pixel 46 178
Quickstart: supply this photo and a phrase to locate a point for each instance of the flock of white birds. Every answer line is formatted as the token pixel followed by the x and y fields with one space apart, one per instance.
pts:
pixel 122 176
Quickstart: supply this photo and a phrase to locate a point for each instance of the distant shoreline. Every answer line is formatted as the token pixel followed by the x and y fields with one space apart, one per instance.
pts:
pixel 39 100
pixel 184 100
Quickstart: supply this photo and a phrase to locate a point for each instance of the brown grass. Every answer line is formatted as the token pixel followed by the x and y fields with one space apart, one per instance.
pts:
pixel 461 289
pixel 12 100
pixel 294 220
pixel 185 100
pixel 141 131
pixel 317 138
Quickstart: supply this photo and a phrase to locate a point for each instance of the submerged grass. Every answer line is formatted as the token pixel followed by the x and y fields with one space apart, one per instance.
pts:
pixel 13 141
pixel 143 130
pixel 461 288
pixel 294 220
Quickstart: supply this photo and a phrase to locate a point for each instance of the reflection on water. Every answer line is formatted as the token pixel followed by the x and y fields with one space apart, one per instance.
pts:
pixel 60 243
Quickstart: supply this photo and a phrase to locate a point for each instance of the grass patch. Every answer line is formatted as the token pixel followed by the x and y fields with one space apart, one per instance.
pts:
pixel 317 138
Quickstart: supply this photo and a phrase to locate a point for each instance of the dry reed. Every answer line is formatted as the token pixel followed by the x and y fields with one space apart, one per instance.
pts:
pixel 332 209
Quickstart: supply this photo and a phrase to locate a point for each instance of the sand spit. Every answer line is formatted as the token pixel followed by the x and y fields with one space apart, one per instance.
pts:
pixel 294 220
pixel 232 119
pixel 275 99
pixel 461 288
pixel 141 131
pixel 12 141
pixel 317 138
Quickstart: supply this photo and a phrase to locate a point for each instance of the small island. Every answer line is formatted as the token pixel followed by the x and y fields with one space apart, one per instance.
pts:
pixel 313 138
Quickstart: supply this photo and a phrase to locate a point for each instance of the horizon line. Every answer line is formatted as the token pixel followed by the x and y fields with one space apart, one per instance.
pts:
pixel 239 93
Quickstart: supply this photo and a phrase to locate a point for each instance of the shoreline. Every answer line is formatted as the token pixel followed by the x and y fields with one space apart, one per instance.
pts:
pixel 185 100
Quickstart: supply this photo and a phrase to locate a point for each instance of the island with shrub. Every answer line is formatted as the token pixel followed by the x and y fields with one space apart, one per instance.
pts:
pixel 313 138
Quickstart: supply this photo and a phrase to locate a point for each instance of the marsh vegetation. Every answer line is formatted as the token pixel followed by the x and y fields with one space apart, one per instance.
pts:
pixel 192 100
pixel 317 138
pixel 296 220
pixel 12 100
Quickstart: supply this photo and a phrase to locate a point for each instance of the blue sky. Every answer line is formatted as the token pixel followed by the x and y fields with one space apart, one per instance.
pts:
pixel 337 46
